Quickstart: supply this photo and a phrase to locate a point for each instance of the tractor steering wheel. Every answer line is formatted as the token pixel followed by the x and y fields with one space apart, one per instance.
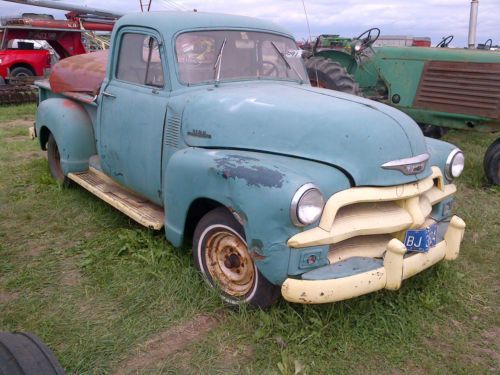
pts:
pixel 366 37
pixel 269 69
pixel 445 42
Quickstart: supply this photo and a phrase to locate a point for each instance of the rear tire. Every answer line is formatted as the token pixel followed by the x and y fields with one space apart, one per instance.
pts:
pixel 21 72
pixel 220 253
pixel 25 354
pixel 330 75
pixel 491 162
pixel 54 160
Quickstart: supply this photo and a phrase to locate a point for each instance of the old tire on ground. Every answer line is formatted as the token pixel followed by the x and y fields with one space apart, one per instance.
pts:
pixel 491 162
pixel 220 253
pixel 54 160
pixel 21 71
pixel 331 75
pixel 25 354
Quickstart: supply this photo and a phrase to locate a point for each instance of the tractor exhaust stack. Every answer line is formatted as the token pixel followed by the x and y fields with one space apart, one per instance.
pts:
pixel 473 23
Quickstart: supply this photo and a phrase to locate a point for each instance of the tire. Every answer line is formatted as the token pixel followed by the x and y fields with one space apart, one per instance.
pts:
pixel 238 281
pixel 433 131
pixel 491 163
pixel 54 160
pixel 330 75
pixel 21 72
pixel 25 354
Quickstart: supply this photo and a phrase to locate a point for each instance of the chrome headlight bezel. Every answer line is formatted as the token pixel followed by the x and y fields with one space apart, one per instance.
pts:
pixel 295 205
pixel 452 157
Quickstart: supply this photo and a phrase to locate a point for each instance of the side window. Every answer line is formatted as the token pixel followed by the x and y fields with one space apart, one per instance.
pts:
pixel 139 60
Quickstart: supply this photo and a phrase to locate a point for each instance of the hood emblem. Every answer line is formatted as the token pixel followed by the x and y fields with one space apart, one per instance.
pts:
pixel 408 166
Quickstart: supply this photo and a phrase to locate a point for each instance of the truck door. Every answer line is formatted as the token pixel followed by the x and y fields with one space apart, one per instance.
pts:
pixel 132 113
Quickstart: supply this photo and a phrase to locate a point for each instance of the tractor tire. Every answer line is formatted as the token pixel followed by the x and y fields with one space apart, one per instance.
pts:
pixel 25 354
pixel 21 72
pixel 330 75
pixel 433 131
pixel 491 163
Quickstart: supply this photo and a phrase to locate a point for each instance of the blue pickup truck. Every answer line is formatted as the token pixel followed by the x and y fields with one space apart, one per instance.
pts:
pixel 206 126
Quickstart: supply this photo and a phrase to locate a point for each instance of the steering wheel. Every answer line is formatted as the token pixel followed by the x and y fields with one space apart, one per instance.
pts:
pixel 445 42
pixel 271 70
pixel 366 37
pixel 488 44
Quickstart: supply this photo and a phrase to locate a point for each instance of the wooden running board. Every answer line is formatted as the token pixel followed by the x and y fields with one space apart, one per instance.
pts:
pixel 137 208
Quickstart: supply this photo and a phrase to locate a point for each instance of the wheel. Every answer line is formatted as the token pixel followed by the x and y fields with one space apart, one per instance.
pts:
pixel 445 42
pixel 220 253
pixel 21 72
pixel 367 41
pixel 433 131
pixel 25 354
pixel 55 162
pixel 491 162
pixel 331 75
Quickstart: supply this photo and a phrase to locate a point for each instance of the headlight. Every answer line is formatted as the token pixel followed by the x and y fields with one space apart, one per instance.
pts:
pixel 307 205
pixel 454 164
pixel 357 46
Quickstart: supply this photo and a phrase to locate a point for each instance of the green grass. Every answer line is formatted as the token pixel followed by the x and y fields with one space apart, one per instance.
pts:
pixel 95 286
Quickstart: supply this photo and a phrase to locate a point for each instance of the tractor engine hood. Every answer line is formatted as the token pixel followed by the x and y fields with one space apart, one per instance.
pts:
pixel 353 134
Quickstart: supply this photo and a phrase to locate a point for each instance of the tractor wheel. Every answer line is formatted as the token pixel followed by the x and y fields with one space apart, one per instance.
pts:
pixel 25 354
pixel 491 162
pixel 433 131
pixel 21 72
pixel 221 254
pixel 330 75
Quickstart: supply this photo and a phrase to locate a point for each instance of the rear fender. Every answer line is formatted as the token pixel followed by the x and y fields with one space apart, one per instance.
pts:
pixel 71 127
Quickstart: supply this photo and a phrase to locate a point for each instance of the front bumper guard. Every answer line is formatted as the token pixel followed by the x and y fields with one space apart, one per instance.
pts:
pixel 395 269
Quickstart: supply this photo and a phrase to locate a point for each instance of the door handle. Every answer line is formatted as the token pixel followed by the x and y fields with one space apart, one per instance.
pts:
pixel 109 95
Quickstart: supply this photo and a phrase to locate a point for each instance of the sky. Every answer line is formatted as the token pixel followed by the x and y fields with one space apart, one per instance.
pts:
pixel 432 18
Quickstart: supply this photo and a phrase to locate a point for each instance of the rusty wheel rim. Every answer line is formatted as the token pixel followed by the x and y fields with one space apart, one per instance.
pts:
pixel 229 263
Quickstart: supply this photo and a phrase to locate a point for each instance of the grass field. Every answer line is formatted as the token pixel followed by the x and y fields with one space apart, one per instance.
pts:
pixel 108 296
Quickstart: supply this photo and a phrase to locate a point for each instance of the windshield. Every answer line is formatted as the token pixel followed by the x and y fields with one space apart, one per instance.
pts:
pixel 209 56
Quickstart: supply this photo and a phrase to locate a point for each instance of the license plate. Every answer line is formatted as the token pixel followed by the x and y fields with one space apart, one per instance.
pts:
pixel 421 240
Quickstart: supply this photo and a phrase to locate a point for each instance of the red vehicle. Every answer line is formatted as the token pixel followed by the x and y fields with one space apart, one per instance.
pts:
pixel 63 36
pixel 18 62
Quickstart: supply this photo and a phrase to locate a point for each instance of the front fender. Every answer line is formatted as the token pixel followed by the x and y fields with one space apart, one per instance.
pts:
pixel 72 129
pixel 257 187
pixel 439 151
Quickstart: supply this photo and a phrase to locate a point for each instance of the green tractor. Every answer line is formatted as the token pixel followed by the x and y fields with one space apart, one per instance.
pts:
pixel 439 88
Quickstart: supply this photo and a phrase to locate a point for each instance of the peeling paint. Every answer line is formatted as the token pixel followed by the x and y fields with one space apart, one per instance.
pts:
pixel 247 168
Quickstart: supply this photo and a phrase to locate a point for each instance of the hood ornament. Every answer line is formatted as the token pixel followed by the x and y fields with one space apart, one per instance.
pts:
pixel 408 166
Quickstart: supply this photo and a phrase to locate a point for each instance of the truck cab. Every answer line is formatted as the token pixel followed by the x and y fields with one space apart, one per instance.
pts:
pixel 206 126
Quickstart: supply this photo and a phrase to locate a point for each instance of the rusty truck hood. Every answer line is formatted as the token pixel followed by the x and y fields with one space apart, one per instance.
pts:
pixel 81 73
pixel 353 134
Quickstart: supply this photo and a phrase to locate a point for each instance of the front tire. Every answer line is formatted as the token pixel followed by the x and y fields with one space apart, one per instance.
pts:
pixel 54 159
pixel 221 254
pixel 491 162
pixel 331 75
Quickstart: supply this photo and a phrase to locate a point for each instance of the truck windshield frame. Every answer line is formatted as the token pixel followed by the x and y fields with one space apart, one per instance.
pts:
pixel 248 55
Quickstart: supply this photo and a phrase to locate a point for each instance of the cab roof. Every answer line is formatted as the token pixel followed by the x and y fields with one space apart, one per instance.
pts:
pixel 170 23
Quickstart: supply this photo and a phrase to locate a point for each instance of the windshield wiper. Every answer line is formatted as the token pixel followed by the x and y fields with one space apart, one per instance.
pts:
pixel 218 62
pixel 286 62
